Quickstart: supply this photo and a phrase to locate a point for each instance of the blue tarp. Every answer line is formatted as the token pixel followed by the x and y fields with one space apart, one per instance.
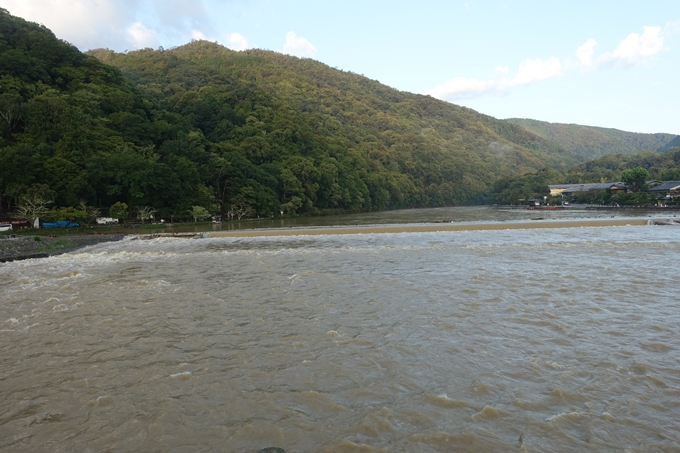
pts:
pixel 61 224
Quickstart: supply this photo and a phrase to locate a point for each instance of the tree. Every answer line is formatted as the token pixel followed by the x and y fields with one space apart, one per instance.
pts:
pixel 199 213
pixel 635 178
pixel 67 213
pixel 145 213
pixel 31 207
pixel 119 211
pixel 292 206
pixel 240 208
pixel 91 212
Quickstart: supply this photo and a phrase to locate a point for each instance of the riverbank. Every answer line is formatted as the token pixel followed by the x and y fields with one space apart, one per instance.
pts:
pixel 39 246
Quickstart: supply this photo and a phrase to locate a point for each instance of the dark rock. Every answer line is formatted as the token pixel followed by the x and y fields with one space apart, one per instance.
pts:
pixel 272 450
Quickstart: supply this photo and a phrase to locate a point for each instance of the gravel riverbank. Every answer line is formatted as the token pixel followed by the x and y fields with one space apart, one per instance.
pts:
pixel 26 247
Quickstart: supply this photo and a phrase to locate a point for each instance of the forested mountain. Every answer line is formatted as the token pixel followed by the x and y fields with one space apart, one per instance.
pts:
pixel 675 143
pixel 255 131
pixel 373 146
pixel 588 142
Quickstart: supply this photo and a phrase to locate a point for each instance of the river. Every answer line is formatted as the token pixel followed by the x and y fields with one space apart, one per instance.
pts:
pixel 537 340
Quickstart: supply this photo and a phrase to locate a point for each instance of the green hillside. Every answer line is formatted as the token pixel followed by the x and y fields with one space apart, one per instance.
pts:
pixel 250 132
pixel 408 150
pixel 589 142
pixel 675 143
pixel 58 116
pixel 661 166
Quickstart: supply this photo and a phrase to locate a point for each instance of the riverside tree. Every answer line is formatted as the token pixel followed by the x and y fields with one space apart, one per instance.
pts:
pixel 635 178
pixel 119 211
pixel 145 213
pixel 31 207
pixel 199 213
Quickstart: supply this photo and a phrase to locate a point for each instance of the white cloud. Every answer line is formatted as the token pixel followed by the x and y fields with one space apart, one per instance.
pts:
pixel 460 87
pixel 466 6
pixel 672 28
pixel 534 70
pixel 585 53
pixel 198 35
pixel 141 36
pixel 298 46
pixel 636 49
pixel 116 24
pixel 85 23
pixel 529 71
pixel 237 42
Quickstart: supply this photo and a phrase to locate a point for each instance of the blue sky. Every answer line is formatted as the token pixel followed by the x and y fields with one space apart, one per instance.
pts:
pixel 601 63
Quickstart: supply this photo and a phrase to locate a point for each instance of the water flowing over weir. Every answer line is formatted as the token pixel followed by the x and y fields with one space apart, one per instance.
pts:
pixel 505 340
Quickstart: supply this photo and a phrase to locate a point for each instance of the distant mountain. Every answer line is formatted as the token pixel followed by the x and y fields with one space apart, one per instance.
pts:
pixel 588 142
pixel 675 143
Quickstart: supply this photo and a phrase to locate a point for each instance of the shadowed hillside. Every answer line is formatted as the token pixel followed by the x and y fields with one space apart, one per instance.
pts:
pixel 588 142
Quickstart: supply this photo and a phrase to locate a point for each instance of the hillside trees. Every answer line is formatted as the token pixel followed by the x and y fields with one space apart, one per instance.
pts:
pixel 250 132
pixel 527 187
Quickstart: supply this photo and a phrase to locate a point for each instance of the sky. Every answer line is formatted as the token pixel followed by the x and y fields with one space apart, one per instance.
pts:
pixel 597 62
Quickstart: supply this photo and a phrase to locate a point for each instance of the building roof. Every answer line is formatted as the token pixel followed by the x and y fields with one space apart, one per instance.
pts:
pixel 561 186
pixel 574 188
pixel 666 187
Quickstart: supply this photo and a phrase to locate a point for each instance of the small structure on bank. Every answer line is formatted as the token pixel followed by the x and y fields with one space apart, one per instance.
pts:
pixel 572 189
pixel 666 192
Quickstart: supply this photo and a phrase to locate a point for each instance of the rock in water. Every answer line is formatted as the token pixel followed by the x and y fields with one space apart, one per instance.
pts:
pixel 272 450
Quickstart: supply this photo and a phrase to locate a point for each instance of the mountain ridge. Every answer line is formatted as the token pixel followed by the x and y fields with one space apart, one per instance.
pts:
pixel 592 142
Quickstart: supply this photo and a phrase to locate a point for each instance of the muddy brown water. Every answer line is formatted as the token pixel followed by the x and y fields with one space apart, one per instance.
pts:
pixel 481 341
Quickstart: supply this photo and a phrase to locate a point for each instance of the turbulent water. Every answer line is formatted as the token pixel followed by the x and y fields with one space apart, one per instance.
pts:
pixel 482 341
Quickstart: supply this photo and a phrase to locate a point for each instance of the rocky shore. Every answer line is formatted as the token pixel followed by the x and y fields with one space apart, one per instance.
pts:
pixel 38 246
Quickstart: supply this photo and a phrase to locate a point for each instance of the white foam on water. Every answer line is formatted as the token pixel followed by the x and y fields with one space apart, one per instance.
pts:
pixel 183 376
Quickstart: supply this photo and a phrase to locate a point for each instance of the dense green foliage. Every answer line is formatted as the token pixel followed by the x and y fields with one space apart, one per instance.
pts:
pixel 588 142
pixel 635 178
pixel 61 116
pixel 296 133
pixel 512 190
pixel 239 133
pixel 675 143
pixel 661 166
pixel 632 169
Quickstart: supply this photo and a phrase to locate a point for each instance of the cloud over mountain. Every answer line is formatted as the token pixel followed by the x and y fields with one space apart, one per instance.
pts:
pixel 529 71
pixel 298 46
pixel 118 24
pixel 634 50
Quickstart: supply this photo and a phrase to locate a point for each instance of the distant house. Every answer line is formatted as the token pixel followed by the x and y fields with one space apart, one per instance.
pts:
pixel 571 189
pixel 671 188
